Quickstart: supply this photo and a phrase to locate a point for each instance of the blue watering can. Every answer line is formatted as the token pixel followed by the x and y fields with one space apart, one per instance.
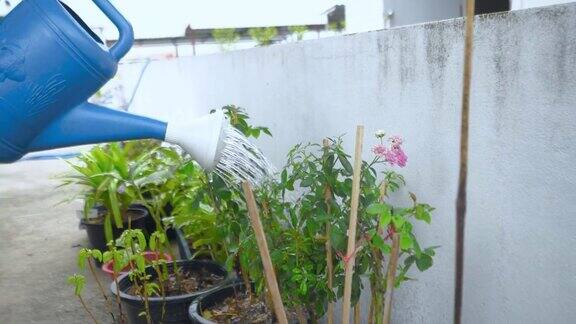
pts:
pixel 51 62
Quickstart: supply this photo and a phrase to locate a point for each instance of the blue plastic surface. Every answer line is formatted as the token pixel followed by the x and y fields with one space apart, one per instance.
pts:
pixel 89 124
pixel 50 64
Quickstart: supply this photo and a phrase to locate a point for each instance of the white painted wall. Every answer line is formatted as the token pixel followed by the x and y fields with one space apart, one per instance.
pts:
pixel 521 230
pixel 524 4
pixel 364 15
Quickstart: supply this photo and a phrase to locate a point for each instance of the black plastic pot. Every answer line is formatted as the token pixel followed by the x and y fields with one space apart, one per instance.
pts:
pixel 183 247
pixel 176 307
pixel 151 224
pixel 215 297
pixel 95 231
pixel 186 252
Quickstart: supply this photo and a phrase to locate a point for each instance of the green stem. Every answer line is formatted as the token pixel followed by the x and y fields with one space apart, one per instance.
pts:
pixel 155 211
pixel 87 309
pixel 118 301
pixel 162 291
pixel 107 301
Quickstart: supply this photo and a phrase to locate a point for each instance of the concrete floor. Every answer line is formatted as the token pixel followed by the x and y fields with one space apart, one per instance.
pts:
pixel 38 244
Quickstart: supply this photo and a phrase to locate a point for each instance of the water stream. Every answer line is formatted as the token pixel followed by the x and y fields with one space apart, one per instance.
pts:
pixel 241 160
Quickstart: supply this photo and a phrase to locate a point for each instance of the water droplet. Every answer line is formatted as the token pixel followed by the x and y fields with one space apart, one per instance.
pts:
pixel 241 160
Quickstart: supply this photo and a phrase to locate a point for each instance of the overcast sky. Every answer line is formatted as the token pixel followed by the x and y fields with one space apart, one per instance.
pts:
pixel 170 17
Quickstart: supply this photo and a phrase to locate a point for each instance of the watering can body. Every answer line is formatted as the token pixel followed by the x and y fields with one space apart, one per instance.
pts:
pixel 50 64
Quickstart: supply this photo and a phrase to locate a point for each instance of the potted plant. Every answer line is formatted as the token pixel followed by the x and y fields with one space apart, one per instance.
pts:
pixel 232 304
pixel 305 215
pixel 298 256
pixel 108 205
pixel 381 217
pixel 162 291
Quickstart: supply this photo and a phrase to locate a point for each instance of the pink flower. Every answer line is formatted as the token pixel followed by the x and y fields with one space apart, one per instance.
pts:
pixel 380 150
pixel 396 141
pixel 400 158
pixel 393 155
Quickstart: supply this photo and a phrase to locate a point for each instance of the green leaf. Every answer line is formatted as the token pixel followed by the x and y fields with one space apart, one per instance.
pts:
pixel 284 176
pixel 345 164
pixel 380 244
pixel 140 262
pixel 398 222
pixel 107 256
pixel 378 209
pixel 112 194
pixel 385 219
pixel 405 241
pixel 141 239
pixel 97 255
pixel 421 213
pixel 81 260
pixel 108 228
pixel 78 281
pixel 424 262
pixel 307 182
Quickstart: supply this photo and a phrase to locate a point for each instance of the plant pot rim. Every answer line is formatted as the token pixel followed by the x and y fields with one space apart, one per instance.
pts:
pixel 139 211
pixel 194 309
pixel 107 266
pixel 136 299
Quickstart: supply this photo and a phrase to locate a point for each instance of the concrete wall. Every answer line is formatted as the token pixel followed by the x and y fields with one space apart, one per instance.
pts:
pixel 520 256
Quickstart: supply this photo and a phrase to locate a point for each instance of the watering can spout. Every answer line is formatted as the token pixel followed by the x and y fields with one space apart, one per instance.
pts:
pixel 91 124
pixel 201 137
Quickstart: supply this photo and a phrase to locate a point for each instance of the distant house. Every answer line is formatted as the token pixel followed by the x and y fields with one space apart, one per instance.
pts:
pixel 379 14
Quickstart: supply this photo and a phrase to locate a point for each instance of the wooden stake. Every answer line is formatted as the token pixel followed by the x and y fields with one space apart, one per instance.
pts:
pixel 329 257
pixel 350 255
pixel 265 254
pixel 390 276
pixel 463 175
pixel 357 313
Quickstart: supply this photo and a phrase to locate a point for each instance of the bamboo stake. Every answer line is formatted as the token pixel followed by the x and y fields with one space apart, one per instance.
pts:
pixel 463 175
pixel 350 255
pixel 390 276
pixel 329 257
pixel 265 254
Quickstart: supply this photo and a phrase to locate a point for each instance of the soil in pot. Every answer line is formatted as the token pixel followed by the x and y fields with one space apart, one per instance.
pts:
pixel 233 304
pixel 198 278
pixel 135 217
pixel 191 281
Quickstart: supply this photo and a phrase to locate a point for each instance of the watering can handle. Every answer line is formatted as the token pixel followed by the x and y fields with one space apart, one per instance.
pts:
pixel 126 34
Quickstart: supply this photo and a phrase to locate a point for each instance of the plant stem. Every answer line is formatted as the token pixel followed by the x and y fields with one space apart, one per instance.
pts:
pixel 329 257
pixel 246 280
pixel 107 301
pixel 301 315
pixel 147 305
pixel 390 276
pixel 162 291
pixel 156 213
pixel 87 309
pixel 143 298
pixel 378 284
pixel 118 301
pixel 371 309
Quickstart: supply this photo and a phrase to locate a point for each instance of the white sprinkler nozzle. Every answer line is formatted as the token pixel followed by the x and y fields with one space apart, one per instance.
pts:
pixel 202 138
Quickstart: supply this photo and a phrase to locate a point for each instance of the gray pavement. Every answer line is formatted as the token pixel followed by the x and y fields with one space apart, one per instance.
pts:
pixel 39 240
